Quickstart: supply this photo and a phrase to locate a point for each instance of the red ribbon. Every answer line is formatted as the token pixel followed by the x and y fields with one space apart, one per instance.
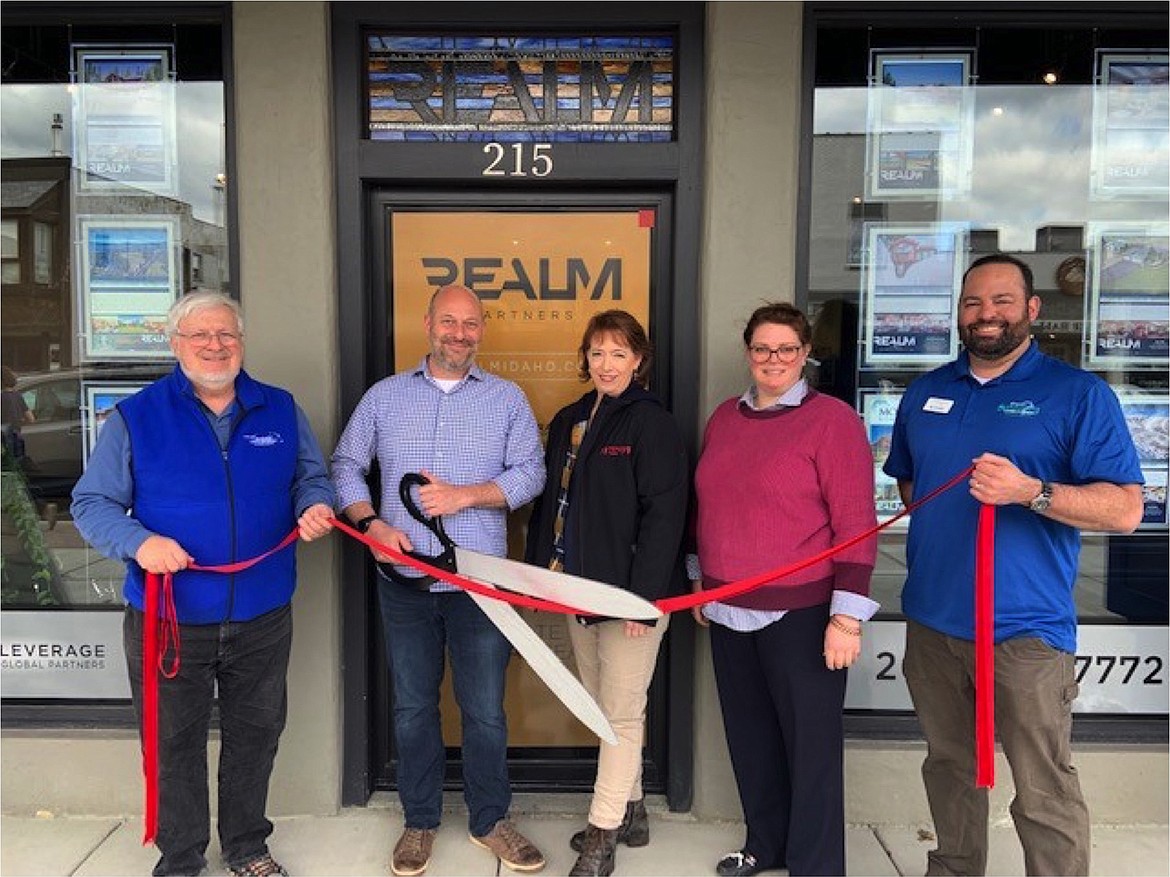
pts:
pixel 168 627
pixel 985 649
pixel 159 630
pixel 669 604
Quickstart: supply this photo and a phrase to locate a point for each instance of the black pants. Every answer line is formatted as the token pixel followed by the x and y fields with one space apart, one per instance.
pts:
pixel 782 714
pixel 248 661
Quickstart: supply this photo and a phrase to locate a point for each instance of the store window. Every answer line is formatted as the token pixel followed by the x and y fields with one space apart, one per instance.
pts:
pixel 933 145
pixel 115 178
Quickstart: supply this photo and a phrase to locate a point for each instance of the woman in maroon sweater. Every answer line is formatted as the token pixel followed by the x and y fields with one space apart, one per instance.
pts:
pixel 785 472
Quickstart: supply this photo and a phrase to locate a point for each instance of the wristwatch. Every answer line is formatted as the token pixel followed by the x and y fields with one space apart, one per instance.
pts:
pixel 365 523
pixel 1043 500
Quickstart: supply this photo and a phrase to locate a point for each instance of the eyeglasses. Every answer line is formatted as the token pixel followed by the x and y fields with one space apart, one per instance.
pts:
pixel 204 339
pixel 761 353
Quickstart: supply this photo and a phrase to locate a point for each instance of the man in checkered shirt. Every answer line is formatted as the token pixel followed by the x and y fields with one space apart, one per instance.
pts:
pixel 473 435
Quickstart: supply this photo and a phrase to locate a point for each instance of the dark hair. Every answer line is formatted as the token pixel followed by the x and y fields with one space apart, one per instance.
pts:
pixel 782 314
pixel 1005 259
pixel 624 327
pixel 9 379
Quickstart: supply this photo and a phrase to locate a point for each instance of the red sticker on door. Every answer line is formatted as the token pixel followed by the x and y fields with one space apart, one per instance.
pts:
pixel 645 219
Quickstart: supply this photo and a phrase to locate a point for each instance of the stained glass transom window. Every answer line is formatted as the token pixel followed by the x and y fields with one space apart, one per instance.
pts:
pixel 521 88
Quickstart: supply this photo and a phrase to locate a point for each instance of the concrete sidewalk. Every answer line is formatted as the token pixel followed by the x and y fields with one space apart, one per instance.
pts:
pixel 359 841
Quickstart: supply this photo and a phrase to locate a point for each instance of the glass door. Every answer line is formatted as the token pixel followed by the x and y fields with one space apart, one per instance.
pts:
pixel 542 267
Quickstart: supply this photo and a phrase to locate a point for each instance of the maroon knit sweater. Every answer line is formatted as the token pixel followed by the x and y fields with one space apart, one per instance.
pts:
pixel 778 486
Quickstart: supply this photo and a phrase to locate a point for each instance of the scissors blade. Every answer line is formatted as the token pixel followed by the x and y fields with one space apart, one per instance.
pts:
pixel 587 595
pixel 545 663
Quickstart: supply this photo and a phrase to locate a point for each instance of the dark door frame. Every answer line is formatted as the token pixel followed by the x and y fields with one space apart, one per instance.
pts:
pixel 543 768
pixel 364 165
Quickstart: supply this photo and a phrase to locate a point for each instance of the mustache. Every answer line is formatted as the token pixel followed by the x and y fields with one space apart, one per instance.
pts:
pixel 982 324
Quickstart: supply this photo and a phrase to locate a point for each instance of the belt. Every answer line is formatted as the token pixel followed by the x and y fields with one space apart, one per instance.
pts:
pixel 420 583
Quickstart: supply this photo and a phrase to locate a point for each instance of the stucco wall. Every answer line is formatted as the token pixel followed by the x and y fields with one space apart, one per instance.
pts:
pixel 748 255
pixel 288 288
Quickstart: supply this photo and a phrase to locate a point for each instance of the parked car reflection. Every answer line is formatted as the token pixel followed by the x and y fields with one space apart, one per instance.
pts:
pixel 69 406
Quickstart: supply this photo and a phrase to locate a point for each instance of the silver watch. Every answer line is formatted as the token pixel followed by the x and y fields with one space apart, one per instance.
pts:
pixel 1043 500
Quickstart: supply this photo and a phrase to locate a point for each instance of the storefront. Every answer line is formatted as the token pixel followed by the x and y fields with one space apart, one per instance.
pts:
pixel 332 163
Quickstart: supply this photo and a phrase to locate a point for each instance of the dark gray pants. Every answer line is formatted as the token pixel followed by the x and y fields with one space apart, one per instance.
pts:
pixel 1035 686
pixel 248 662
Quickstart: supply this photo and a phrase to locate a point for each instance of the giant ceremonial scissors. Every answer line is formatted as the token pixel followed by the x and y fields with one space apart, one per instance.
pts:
pixel 587 596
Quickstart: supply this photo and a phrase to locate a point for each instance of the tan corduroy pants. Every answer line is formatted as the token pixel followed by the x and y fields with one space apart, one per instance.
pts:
pixel 616 670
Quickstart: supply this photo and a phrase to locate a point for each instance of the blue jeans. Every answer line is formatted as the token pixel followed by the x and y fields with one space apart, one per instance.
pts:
pixel 419 627
pixel 248 661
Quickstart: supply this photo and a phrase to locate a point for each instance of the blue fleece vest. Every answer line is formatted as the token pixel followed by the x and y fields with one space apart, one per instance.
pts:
pixel 220 506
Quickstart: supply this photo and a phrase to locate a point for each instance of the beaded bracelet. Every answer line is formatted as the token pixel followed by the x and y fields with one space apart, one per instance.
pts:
pixel 844 628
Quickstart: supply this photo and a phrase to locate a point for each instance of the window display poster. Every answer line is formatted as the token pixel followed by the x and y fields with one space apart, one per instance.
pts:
pixel 1129 319
pixel 920 92
pixel 1148 419
pixel 1131 140
pixel 129 280
pixel 920 125
pixel 100 401
pixel 125 117
pixel 878 410
pixel 912 273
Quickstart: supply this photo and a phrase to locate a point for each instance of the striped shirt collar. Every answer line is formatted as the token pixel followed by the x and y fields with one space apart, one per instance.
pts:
pixel 790 399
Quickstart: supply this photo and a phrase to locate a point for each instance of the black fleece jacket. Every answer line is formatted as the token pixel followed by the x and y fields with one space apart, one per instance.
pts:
pixel 627 497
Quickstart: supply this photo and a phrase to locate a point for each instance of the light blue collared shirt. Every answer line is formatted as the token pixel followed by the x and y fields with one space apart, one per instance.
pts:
pixel 481 430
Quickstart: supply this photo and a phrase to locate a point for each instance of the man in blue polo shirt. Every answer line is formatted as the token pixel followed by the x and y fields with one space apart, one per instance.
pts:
pixel 1051 450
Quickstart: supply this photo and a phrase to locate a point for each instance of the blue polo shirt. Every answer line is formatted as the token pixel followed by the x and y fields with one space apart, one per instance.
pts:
pixel 1056 423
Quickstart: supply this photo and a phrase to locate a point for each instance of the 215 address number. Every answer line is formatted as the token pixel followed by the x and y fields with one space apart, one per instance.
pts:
pixel 526 159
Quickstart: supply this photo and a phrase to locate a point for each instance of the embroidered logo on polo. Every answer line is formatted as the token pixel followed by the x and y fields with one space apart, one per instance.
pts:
pixel 267 440
pixel 1026 408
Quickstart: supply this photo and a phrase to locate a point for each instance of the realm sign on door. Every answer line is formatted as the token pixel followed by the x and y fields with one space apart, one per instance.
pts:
pixel 541 275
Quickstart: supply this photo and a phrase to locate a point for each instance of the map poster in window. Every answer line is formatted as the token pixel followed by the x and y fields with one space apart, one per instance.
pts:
pixel 911 275
pixel 919 140
pixel 878 410
pixel 1131 125
pixel 124 118
pixel 1148 419
pixel 128 281
pixel 1129 302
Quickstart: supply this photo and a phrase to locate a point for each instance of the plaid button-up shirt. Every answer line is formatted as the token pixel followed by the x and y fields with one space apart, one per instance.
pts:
pixel 482 430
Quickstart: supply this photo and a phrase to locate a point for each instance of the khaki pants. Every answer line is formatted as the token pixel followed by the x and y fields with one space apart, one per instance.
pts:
pixel 616 670
pixel 1035 686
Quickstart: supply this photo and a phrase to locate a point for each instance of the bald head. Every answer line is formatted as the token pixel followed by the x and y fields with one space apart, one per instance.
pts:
pixel 454 324
pixel 444 295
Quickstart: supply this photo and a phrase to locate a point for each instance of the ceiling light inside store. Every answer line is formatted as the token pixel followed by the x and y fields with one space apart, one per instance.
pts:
pixel 997 111
pixel 1050 77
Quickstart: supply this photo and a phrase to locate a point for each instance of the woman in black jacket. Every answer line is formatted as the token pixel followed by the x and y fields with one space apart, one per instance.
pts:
pixel 614 509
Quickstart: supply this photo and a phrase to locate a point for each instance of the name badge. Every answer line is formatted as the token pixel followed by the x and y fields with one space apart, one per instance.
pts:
pixel 936 405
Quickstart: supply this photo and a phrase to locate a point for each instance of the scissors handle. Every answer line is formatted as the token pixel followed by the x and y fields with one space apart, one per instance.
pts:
pixel 435 524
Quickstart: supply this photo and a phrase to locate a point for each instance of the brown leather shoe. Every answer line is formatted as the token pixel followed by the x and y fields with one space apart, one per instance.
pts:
pixel 633 832
pixel 598 851
pixel 412 853
pixel 510 847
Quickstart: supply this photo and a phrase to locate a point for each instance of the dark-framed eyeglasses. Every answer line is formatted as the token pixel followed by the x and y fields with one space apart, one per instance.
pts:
pixel 761 353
